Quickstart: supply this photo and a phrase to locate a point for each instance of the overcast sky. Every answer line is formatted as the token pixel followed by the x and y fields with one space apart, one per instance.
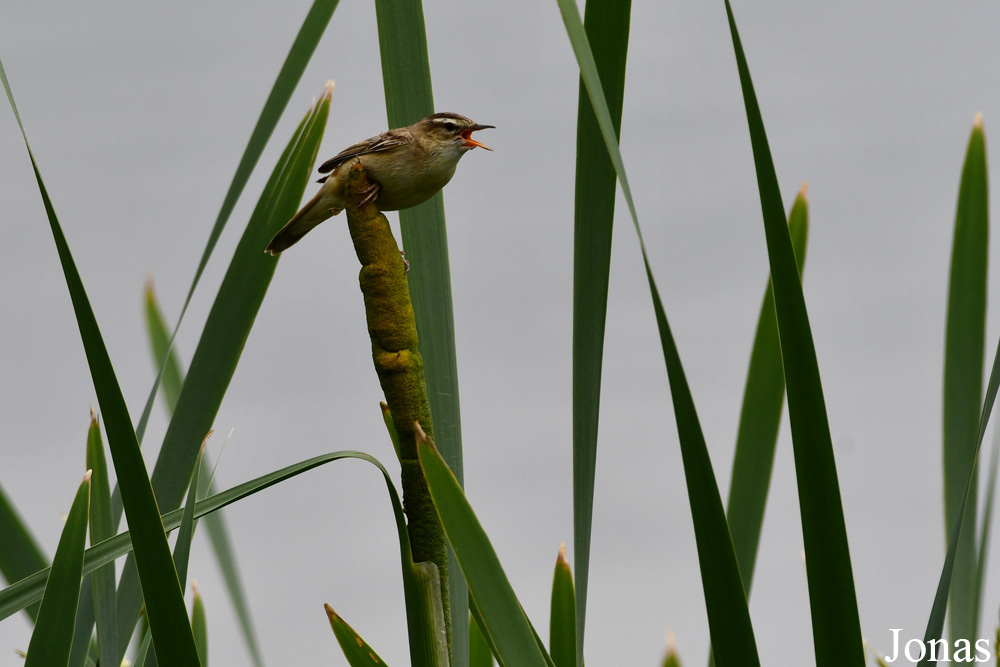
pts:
pixel 139 112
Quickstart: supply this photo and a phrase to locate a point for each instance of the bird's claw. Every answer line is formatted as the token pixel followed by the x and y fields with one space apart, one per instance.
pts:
pixel 370 193
pixel 402 254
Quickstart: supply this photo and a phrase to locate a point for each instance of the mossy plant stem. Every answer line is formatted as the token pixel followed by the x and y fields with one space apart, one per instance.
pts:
pixel 400 369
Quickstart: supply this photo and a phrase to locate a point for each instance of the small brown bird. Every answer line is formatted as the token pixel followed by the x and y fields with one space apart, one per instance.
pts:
pixel 406 166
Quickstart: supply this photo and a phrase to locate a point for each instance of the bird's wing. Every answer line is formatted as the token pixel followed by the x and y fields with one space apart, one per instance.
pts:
pixel 383 142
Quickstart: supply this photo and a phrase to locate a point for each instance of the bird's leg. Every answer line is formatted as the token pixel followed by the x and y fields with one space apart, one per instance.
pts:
pixel 402 254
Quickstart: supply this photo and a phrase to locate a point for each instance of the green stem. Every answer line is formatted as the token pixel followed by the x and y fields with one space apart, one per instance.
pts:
pixel 400 369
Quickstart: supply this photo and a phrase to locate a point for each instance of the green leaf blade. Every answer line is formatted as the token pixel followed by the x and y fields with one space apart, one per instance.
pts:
pixel 20 555
pixel 835 621
pixel 150 544
pixel 199 625
pixel 182 547
pixel 225 333
pixel 505 621
pixel 480 654
pixel 733 642
pixel 965 337
pixel 356 650
pixel 562 619
pixel 760 416
pixel 101 528
pixel 52 639
pixel 171 377
pixel 606 23
pixel 215 525
pixel 409 96
pixel 281 92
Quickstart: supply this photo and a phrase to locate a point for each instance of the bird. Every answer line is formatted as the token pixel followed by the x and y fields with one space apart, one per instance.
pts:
pixel 406 166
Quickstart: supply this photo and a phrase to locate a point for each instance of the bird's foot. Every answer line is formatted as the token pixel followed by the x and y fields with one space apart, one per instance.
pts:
pixel 370 193
pixel 402 254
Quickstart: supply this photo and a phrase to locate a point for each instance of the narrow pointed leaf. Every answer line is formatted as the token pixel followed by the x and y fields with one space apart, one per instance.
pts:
pixel 760 417
pixel 984 534
pixel 215 525
pixel 160 591
pixel 425 650
pixel 391 427
pixel 172 378
pixel 20 554
pixel 607 26
pixel 83 631
pixel 144 651
pixel 29 590
pixel 488 585
pixel 835 621
pixel 479 650
pixel 199 625
pixel 406 77
pixel 291 71
pixel 225 334
pixel 356 650
pixel 182 547
pixel 729 619
pixel 53 636
pixel 484 630
pixel 965 337
pixel 935 623
pixel 101 528
pixel 729 623
pixel 562 621
pixel 671 659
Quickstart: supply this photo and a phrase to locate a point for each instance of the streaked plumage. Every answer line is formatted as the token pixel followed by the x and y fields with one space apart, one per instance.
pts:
pixel 407 166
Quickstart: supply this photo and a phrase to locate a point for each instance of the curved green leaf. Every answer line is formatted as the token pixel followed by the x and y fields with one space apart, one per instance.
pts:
pixel 729 619
pixel 53 636
pixel 224 335
pixel 729 623
pixel 29 590
pixel 215 525
pixel 424 650
pixel 506 622
pixel 288 78
pixel 835 622
pixel 161 593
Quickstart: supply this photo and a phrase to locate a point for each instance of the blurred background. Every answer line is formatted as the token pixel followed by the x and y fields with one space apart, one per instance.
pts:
pixel 138 114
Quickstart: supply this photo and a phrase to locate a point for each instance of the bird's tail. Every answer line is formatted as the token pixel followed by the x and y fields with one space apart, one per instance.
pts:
pixel 301 223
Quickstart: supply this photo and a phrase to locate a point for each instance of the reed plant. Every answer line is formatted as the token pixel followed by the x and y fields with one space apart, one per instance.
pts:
pixel 460 606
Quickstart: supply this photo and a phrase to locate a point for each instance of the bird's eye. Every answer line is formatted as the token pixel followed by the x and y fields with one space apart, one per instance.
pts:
pixel 450 126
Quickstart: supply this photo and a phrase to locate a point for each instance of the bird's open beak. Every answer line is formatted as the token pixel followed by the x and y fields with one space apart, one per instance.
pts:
pixel 472 143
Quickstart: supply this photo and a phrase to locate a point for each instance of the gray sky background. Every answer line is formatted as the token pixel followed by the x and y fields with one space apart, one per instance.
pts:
pixel 138 114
